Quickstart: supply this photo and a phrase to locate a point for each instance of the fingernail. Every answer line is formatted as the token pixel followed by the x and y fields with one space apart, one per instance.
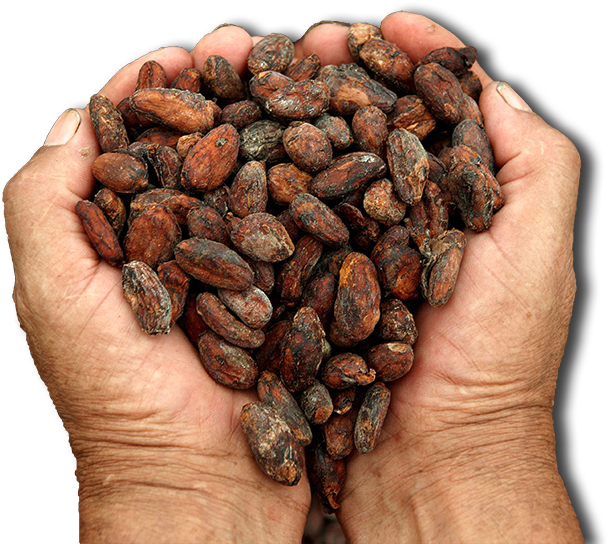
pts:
pixel 339 23
pixel 222 26
pixel 511 97
pixel 64 128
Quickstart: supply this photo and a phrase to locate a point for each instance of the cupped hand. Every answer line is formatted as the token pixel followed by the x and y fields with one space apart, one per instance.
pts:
pixel 158 443
pixel 468 442
pixel 467 449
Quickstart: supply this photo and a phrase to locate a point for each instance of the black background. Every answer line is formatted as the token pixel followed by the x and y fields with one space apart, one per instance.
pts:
pixel 56 58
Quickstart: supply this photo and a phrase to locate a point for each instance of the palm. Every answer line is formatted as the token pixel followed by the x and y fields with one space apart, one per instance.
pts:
pixel 124 386
pixel 496 345
pixel 154 385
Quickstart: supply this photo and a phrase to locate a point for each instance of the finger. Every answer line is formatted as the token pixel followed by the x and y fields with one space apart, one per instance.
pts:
pixel 59 174
pixel 231 42
pixel 328 40
pixel 61 167
pixel 517 134
pixel 45 235
pixel 172 59
pixel 539 166
pixel 417 35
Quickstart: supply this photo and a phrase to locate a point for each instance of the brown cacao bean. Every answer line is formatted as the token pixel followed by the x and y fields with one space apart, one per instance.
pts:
pixel 457 61
pixel 262 237
pixel 151 75
pixel 272 392
pixel 308 147
pixel 359 34
pixel 390 63
pixel 390 361
pixel 152 236
pixel 357 306
pixel 396 322
pixel 251 306
pixel 411 114
pixel 275 448
pixel 316 403
pixel 408 163
pixel 316 218
pixel 351 88
pixel 443 259
pixel 346 174
pixel 176 109
pixel 303 350
pixel 222 80
pixel 217 317
pixel 176 282
pixel 327 477
pixel 440 90
pixel 211 160
pixel 345 370
pixel 121 172
pixel 305 68
pixel 213 263
pixel 286 181
pixel 100 232
pixel 108 124
pixel 189 79
pixel 339 434
pixel 274 52
pixel 249 190
pixel 262 141
pixel 148 297
pixel 295 272
pixel 477 192
pixel 299 100
pixel 113 208
pixel 227 364
pixel 371 417
pixel 382 203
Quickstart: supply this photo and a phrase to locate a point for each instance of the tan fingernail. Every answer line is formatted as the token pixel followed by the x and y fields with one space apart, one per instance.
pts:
pixel 64 128
pixel 339 23
pixel 225 25
pixel 511 97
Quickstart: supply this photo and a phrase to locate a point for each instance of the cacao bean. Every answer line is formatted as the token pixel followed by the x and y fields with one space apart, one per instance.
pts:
pixel 351 194
pixel 371 417
pixel 148 297
pixel 227 364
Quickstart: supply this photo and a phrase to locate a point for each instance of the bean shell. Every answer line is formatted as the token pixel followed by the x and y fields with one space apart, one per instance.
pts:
pixel 275 448
pixel 148 298
pixel 227 364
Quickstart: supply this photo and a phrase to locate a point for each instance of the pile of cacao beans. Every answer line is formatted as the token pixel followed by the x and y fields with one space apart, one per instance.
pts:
pixel 290 221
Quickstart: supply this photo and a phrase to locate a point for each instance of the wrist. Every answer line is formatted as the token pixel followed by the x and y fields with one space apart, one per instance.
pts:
pixel 489 481
pixel 168 495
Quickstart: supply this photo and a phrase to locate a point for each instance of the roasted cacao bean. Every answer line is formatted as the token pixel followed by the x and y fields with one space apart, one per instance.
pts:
pixel 371 417
pixel 148 297
pixel 274 445
pixel 351 194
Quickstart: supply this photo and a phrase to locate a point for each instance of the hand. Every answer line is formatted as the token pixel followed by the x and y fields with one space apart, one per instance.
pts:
pixel 158 444
pixel 467 451
pixel 140 430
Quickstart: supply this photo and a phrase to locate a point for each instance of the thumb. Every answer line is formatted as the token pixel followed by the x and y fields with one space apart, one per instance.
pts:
pixel 45 235
pixel 539 167
pixel 42 196
pixel 64 128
